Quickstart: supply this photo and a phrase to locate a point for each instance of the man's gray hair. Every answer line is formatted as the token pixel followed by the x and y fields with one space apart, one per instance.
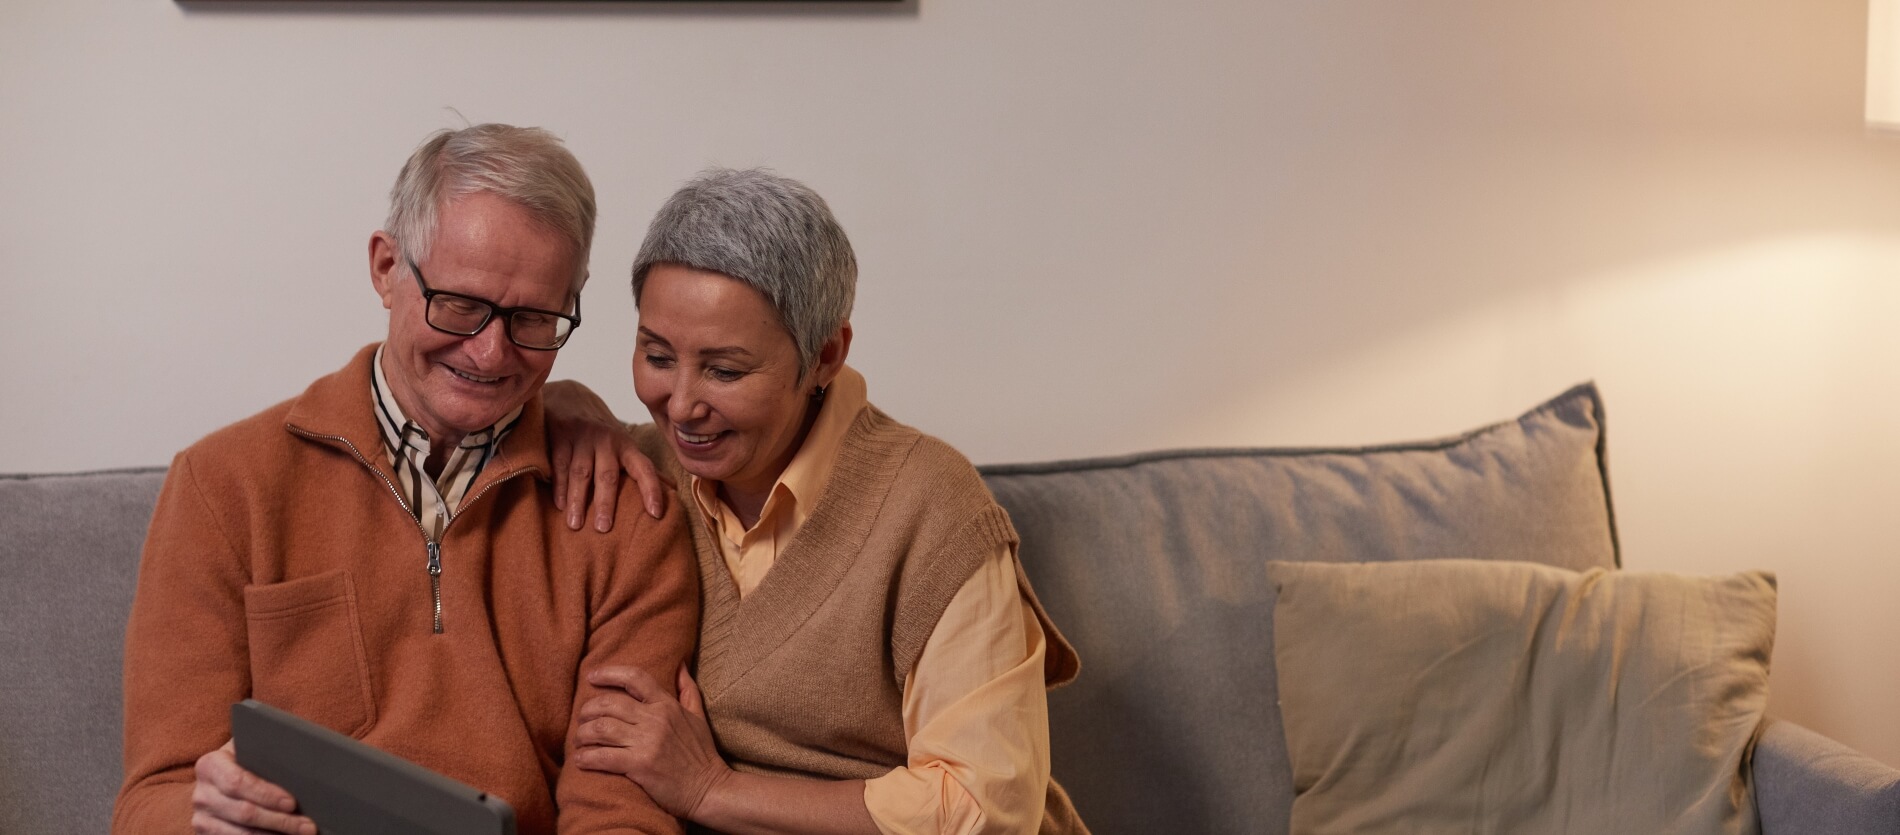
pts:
pixel 771 232
pixel 528 167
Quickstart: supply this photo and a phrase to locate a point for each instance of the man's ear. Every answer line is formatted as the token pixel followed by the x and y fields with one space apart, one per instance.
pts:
pixel 831 356
pixel 384 266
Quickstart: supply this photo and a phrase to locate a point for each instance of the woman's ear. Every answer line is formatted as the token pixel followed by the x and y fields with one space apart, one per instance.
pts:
pixel 831 357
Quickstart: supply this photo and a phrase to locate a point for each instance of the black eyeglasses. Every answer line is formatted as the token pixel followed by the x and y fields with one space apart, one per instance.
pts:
pixel 536 330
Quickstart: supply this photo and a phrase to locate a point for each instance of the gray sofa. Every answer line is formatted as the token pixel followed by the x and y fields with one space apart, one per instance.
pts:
pixel 1152 564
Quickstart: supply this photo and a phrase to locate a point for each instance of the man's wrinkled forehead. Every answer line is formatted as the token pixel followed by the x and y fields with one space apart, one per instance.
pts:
pixel 522 220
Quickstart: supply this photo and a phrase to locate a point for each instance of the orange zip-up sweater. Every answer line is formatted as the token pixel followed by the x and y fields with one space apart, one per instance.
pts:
pixel 282 564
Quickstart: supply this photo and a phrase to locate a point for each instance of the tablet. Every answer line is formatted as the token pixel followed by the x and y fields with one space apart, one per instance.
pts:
pixel 352 788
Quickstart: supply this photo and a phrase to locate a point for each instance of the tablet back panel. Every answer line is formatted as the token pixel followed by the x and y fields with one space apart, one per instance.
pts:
pixel 352 788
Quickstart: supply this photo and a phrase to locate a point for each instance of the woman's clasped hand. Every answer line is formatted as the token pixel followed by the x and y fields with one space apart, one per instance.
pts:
pixel 640 729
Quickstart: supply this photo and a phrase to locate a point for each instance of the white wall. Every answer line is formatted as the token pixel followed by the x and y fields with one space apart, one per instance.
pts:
pixel 1086 227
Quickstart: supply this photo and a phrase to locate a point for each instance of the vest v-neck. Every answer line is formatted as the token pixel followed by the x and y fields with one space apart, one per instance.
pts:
pixel 739 633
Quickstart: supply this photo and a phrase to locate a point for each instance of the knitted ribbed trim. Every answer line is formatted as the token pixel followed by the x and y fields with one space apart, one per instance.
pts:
pixel 943 574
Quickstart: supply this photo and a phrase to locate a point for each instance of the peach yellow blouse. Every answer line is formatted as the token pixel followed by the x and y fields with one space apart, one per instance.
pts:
pixel 975 715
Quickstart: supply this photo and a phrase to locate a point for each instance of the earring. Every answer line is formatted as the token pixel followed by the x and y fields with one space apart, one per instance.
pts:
pixel 818 393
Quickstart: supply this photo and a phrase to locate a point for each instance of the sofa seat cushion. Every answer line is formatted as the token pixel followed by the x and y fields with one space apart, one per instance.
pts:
pixel 1482 696
pixel 69 557
pixel 1155 567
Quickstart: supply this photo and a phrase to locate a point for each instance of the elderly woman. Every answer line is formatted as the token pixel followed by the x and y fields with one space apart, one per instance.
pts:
pixel 871 657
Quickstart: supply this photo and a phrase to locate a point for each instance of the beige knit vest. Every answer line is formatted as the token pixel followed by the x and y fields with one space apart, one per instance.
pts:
pixel 805 677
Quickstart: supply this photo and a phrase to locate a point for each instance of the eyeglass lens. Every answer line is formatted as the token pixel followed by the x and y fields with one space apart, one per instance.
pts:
pixel 526 328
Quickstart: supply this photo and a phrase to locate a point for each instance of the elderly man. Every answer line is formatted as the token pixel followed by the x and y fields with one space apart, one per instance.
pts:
pixel 383 555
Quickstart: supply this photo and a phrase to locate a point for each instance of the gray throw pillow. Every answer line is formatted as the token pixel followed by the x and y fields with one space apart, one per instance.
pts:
pixel 1155 567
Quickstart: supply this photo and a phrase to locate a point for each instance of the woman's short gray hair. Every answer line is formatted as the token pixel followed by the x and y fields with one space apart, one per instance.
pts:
pixel 771 232
pixel 528 167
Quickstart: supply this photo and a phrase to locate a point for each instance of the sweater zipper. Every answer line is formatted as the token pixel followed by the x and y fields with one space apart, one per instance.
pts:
pixel 435 582
pixel 433 548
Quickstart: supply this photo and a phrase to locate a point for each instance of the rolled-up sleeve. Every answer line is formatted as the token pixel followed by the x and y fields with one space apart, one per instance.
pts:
pixel 976 718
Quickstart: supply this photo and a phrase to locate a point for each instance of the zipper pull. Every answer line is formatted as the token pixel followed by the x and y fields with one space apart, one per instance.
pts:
pixel 435 582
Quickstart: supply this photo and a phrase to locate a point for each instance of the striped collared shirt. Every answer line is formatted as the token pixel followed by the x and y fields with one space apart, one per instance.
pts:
pixel 432 501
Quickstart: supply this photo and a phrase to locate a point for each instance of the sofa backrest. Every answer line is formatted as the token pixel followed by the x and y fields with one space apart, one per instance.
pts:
pixel 1154 567
pixel 69 555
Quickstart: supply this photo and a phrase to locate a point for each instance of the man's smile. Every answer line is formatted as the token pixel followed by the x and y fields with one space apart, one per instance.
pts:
pixel 473 378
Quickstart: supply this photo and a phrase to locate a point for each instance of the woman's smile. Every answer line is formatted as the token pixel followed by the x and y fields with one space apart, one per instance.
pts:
pixel 695 440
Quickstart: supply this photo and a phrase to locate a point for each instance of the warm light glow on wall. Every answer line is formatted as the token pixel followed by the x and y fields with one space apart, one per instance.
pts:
pixel 1883 64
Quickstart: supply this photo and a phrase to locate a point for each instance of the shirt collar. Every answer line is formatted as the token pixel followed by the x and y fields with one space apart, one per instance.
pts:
pixel 400 433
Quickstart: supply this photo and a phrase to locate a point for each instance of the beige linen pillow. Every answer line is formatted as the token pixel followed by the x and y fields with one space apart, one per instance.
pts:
pixel 1500 697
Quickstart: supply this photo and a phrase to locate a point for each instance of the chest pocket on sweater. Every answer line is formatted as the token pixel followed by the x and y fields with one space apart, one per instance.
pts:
pixel 307 654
